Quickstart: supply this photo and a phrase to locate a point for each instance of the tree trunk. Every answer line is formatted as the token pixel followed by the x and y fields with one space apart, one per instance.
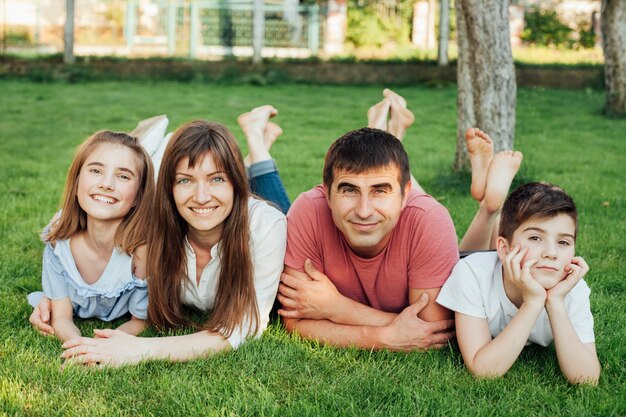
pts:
pixel 613 23
pixel 444 32
pixel 485 74
pixel 68 33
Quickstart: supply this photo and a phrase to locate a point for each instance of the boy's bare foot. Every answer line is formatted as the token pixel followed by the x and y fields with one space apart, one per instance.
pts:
pixel 254 125
pixel 377 115
pixel 502 170
pixel 480 151
pixel 401 117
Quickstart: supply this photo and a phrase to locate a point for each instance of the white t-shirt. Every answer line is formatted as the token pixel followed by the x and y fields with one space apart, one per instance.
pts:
pixel 268 233
pixel 475 288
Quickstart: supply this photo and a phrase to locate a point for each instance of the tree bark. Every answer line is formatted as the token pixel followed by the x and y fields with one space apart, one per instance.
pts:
pixel 485 74
pixel 444 32
pixel 68 33
pixel 613 22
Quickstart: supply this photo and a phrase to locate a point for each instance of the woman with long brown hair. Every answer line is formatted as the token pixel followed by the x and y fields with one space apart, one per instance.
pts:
pixel 212 246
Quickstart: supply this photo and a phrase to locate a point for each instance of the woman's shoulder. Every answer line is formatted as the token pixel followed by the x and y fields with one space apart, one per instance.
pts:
pixel 263 212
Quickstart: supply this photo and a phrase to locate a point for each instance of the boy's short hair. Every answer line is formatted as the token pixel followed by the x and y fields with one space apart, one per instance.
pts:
pixel 363 150
pixel 534 200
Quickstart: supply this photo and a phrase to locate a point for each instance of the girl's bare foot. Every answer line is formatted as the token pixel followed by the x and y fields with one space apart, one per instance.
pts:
pixel 502 170
pixel 377 115
pixel 480 151
pixel 401 117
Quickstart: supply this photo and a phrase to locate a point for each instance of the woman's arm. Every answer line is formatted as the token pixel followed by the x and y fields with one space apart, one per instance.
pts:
pixel 63 320
pixel 117 348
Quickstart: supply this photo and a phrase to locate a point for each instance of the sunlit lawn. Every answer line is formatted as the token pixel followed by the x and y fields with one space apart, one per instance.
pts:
pixel 564 139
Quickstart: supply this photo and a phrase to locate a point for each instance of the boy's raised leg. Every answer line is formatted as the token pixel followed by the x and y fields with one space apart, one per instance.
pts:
pixel 480 233
pixel 377 115
pixel 480 152
pixel 502 170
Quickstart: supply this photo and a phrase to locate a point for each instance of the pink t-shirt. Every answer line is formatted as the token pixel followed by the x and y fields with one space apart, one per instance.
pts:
pixel 420 254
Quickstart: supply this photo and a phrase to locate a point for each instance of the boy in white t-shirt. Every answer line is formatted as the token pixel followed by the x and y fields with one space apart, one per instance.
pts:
pixel 529 290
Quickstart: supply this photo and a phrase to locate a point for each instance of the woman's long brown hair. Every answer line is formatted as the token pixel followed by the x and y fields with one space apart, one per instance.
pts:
pixel 131 233
pixel 167 261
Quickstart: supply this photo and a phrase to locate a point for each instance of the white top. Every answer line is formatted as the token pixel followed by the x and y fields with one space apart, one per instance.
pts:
pixel 475 288
pixel 268 234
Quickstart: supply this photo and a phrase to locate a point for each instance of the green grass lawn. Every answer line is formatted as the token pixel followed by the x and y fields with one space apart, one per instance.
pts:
pixel 564 139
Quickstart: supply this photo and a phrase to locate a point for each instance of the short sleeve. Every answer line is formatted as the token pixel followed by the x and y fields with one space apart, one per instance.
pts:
pixel 579 311
pixel 301 239
pixel 461 292
pixel 54 283
pixel 268 248
pixel 434 250
pixel 138 303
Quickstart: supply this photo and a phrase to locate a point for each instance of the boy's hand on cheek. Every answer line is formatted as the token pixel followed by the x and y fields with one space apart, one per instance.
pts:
pixel 576 270
pixel 521 277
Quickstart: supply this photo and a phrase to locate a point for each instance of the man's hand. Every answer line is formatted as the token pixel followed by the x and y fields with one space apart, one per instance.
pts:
pixel 40 318
pixel 409 332
pixel 315 298
pixel 575 272
pixel 519 275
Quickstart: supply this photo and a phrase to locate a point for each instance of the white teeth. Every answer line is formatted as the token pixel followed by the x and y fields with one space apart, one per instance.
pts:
pixel 104 199
pixel 202 210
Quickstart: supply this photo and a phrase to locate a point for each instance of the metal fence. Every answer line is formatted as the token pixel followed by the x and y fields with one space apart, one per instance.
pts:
pixel 195 28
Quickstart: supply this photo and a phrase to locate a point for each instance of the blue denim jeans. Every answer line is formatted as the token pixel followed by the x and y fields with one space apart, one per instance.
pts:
pixel 266 183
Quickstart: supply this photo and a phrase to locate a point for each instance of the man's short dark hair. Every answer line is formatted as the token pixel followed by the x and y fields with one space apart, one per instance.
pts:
pixel 534 200
pixel 364 150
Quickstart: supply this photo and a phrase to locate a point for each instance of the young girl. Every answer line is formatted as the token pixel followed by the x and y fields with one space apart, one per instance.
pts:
pixel 90 262
pixel 212 247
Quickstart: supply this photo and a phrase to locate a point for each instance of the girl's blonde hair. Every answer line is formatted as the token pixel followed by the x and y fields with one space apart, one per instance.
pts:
pixel 131 233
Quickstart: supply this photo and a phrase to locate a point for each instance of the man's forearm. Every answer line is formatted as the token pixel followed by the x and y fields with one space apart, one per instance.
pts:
pixel 340 335
pixel 353 313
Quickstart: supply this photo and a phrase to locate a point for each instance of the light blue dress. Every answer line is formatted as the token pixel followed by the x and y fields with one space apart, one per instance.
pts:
pixel 116 292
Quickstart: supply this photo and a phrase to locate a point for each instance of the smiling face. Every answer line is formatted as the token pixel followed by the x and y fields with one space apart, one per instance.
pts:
pixel 366 207
pixel 549 240
pixel 108 182
pixel 203 196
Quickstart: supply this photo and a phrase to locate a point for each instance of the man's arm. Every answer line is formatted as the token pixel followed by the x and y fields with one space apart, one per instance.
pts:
pixel 405 332
pixel 314 308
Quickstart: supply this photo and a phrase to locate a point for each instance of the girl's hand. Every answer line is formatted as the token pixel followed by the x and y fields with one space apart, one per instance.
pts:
pixel 40 318
pixel 520 276
pixel 111 348
pixel 575 272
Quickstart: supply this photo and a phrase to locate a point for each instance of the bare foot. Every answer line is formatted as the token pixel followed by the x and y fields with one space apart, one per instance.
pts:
pixel 272 132
pixel 377 115
pixel 480 150
pixel 254 124
pixel 502 170
pixel 255 121
pixel 401 117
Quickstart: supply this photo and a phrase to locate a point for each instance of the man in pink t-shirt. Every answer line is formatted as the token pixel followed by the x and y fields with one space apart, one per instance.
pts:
pixel 366 254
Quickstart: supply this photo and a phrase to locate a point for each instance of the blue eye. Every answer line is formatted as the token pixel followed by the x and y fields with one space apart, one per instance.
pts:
pixel 182 181
pixel 219 179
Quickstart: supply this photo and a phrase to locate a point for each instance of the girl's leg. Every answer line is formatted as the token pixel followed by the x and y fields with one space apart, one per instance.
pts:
pixel 151 134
